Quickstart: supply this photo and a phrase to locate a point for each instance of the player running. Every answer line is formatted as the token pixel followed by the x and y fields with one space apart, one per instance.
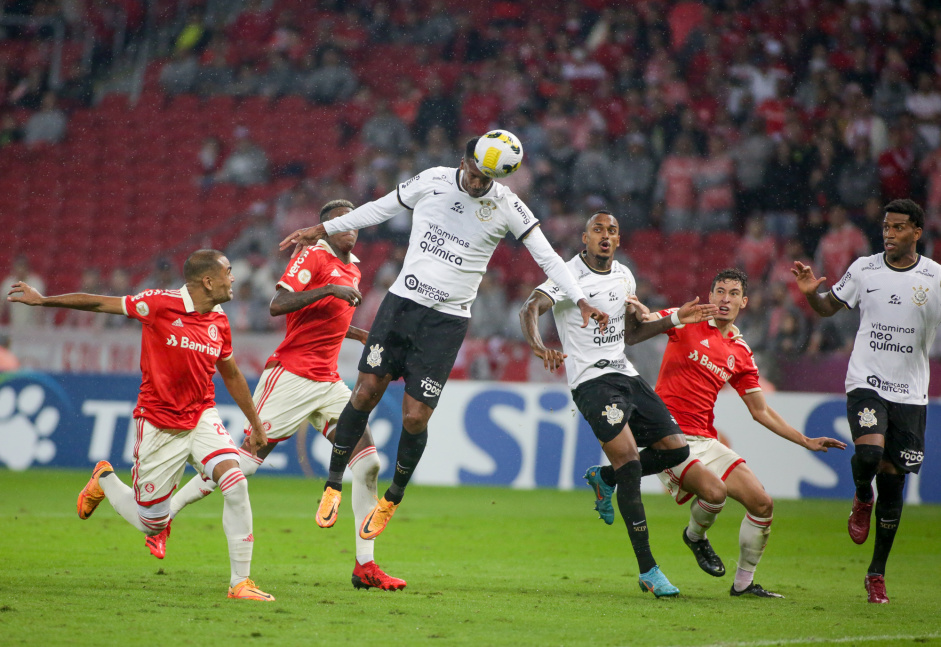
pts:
pixel 318 293
pixel 622 409
pixel 698 361
pixel 185 338
pixel 887 379
pixel 459 215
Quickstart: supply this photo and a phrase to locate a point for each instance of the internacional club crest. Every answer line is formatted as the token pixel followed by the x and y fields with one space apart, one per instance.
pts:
pixel 920 296
pixel 613 414
pixel 867 417
pixel 374 358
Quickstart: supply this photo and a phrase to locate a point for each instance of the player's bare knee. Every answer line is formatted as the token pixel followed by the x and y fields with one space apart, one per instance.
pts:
pixel 414 421
pixel 713 491
pixel 763 506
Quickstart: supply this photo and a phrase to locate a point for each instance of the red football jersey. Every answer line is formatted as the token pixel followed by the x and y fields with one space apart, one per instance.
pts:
pixel 315 333
pixel 697 363
pixel 179 351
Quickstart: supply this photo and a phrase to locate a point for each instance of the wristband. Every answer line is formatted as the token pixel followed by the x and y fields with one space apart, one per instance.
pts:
pixel 675 318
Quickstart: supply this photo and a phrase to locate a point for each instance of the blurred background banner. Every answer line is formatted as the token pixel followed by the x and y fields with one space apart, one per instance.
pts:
pixel 491 433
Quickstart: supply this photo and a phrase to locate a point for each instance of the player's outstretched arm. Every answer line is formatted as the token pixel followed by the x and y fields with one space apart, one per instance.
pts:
pixel 285 301
pixel 23 293
pixel 537 305
pixel 823 303
pixel 237 387
pixel 367 215
pixel 761 412
pixel 638 329
pixel 358 334
pixel 303 237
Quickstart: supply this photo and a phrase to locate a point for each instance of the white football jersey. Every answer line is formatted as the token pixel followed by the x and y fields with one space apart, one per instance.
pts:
pixel 591 352
pixel 899 313
pixel 453 237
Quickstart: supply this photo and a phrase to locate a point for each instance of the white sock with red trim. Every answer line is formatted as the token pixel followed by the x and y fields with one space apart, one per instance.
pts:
pixel 199 487
pixel 121 498
pixel 752 539
pixel 365 469
pixel 701 517
pixel 237 523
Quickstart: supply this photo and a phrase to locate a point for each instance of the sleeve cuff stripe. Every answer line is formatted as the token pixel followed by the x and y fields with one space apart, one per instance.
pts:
pixel 845 304
pixel 528 231
pixel 548 296
pixel 399 198
pixel 285 286
pixel 755 390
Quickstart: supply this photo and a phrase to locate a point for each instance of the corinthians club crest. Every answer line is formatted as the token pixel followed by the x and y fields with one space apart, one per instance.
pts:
pixel 485 213
pixel 374 358
pixel 867 417
pixel 920 296
pixel 613 414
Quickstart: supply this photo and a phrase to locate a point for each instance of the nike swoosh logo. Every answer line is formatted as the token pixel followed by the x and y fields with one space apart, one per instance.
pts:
pixel 366 526
pixel 912 463
pixel 438 192
pixel 637 523
pixel 331 513
pixel 888 520
pixel 593 295
pixel 875 290
pixel 429 395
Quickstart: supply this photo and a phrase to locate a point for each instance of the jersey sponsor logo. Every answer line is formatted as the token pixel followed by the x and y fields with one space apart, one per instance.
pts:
pixel 431 387
pixel 731 362
pixel 842 284
pixel 296 266
pixel 485 213
pixel 872 266
pixel 374 358
pixel 894 300
pixel 613 414
pixel 142 308
pixel 426 290
pixel 407 182
pixel 924 272
pixel 186 342
pixel 885 385
pixel 602 363
pixel 705 342
pixel 213 332
pixel 435 247
pixel 519 208
pixel 304 276
pixel 178 323
pixel 171 341
pixel 920 296
pixel 912 457
pixel 867 418
pixel 614 333
pixel 881 337
pixel 704 361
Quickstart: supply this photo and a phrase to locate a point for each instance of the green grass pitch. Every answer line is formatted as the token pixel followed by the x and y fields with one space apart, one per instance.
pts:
pixel 484 567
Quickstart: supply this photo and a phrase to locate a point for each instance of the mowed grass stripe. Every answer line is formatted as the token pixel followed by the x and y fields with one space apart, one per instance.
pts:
pixel 484 566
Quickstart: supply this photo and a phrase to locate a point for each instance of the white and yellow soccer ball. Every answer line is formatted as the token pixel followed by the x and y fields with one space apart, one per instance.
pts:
pixel 498 153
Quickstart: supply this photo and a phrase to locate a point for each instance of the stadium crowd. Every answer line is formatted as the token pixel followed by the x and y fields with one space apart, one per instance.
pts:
pixel 722 132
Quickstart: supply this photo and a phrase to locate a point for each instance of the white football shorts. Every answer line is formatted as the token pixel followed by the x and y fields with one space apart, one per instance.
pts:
pixel 284 401
pixel 715 457
pixel 160 455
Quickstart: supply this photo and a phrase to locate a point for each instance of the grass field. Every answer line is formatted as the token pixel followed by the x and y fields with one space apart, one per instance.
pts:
pixel 484 567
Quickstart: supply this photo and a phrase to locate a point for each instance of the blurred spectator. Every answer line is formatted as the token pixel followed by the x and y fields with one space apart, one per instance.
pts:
pixel 813 229
pixel 46 126
pixel 865 125
pixel 245 83
pixel 30 90
pixel 437 151
pixel 119 286
pixel 77 89
pixel 756 250
pixel 751 156
pixel 925 105
pixel 715 193
pixel 258 236
pixel 332 81
pixel 891 93
pixel 8 361
pixel 835 334
pixel 248 312
pixel 436 109
pixel 385 132
pixel 632 176
pixel 787 328
pixel 373 296
pixel 295 210
pixel 280 78
pixel 163 277
pixel 843 243
pixel 785 191
pixel 178 75
pixel 824 176
pixel 896 164
pixel 18 317
pixel 210 159
pixel 871 223
pixel 10 132
pixel 194 36
pixel 90 284
pixel 930 167
pixel 490 307
pixel 675 186
pixel 246 165
pixel 859 177
pixel 591 170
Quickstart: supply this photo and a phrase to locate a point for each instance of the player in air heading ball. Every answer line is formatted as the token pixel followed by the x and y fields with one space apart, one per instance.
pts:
pixel 459 215
pixel 898 293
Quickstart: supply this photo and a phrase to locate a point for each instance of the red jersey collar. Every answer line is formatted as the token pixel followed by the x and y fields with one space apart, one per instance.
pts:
pixel 736 333
pixel 188 301
pixel 325 245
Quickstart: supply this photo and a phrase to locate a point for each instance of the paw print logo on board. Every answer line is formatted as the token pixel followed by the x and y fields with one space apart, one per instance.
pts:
pixel 25 427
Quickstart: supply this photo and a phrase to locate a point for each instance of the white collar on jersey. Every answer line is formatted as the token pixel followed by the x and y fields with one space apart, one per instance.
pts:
pixel 736 333
pixel 325 245
pixel 188 301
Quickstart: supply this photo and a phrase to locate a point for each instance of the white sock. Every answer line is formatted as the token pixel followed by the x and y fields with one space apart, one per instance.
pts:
pixel 701 517
pixel 365 469
pixel 237 523
pixel 121 498
pixel 199 487
pixel 752 539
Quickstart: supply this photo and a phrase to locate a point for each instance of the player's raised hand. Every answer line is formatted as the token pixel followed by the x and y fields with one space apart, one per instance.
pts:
pixel 552 359
pixel 823 443
pixel 21 292
pixel 346 293
pixel 590 313
pixel 302 238
pixel 638 309
pixel 692 312
pixel 807 283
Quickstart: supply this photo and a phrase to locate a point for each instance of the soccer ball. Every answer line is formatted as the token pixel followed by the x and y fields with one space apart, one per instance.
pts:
pixel 498 153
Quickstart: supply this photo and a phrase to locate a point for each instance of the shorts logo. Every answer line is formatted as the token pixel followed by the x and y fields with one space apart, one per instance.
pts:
pixel 731 362
pixel 912 457
pixel 304 276
pixel 374 358
pixel 613 414
pixel 867 418
pixel 149 488
pixel 485 213
pixel 213 332
pixel 920 297
pixel 142 309
pixel 432 388
pixel 266 426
